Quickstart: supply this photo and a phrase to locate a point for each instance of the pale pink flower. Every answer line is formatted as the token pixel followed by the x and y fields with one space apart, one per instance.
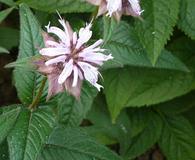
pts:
pixel 68 61
pixel 118 7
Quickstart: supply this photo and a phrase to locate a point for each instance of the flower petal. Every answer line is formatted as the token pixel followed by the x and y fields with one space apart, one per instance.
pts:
pixel 96 44
pixel 94 2
pixel 97 57
pixel 90 72
pixel 66 72
pixel 51 43
pixel 114 6
pixel 98 86
pixel 75 76
pixel 55 60
pixel 53 51
pixel 135 9
pixel 53 86
pixel 68 31
pixel 74 39
pixel 84 36
pixel 58 32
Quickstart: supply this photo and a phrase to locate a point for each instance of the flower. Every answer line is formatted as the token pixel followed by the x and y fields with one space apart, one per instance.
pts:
pixel 68 60
pixel 118 7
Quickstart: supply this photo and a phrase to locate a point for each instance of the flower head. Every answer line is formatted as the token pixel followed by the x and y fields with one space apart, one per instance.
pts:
pixel 118 7
pixel 68 60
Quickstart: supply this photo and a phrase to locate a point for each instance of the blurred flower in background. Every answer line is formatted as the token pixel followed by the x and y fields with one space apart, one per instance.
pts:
pixel 118 7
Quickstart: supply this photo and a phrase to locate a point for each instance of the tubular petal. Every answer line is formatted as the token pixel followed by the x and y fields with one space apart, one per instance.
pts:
pixel 66 72
pixel 75 76
pixel 58 32
pixel 53 51
pixel 55 60
pixel 84 36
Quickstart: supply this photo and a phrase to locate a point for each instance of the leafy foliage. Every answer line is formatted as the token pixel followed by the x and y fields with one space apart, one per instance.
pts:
pixel 146 108
pixel 124 45
pixel 146 139
pixel 64 6
pixel 187 18
pixel 3 50
pixel 177 141
pixel 159 18
pixel 70 111
pixel 27 82
pixel 5 13
pixel 7 121
pixel 31 131
pixel 76 144
pixel 132 87
pixel 9 37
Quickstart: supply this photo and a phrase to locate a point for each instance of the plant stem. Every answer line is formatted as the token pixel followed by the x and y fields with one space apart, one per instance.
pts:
pixel 38 96
pixel 94 15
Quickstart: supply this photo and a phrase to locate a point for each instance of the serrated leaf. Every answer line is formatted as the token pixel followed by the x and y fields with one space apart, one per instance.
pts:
pixel 128 125
pixel 159 18
pixel 71 111
pixel 7 121
pixel 3 50
pixel 75 144
pixel 187 17
pixel 178 139
pixel 146 139
pixel 9 37
pixel 63 6
pixel 5 13
pixel 27 82
pixel 30 133
pixel 126 49
pixel 130 87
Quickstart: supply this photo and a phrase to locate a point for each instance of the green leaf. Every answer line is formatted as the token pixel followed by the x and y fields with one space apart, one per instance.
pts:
pixel 4 153
pixel 184 49
pixel 128 126
pixel 178 139
pixel 131 87
pixel 159 18
pixel 110 25
pixel 7 121
pixel 103 129
pixel 146 139
pixel 9 37
pixel 178 105
pixel 75 144
pixel 8 2
pixel 189 115
pixel 187 17
pixel 3 50
pixel 30 133
pixel 27 82
pixel 127 50
pixel 71 111
pixel 63 6
pixel 5 13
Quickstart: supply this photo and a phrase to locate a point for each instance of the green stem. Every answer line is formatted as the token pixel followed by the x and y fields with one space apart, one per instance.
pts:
pixel 94 15
pixel 38 96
